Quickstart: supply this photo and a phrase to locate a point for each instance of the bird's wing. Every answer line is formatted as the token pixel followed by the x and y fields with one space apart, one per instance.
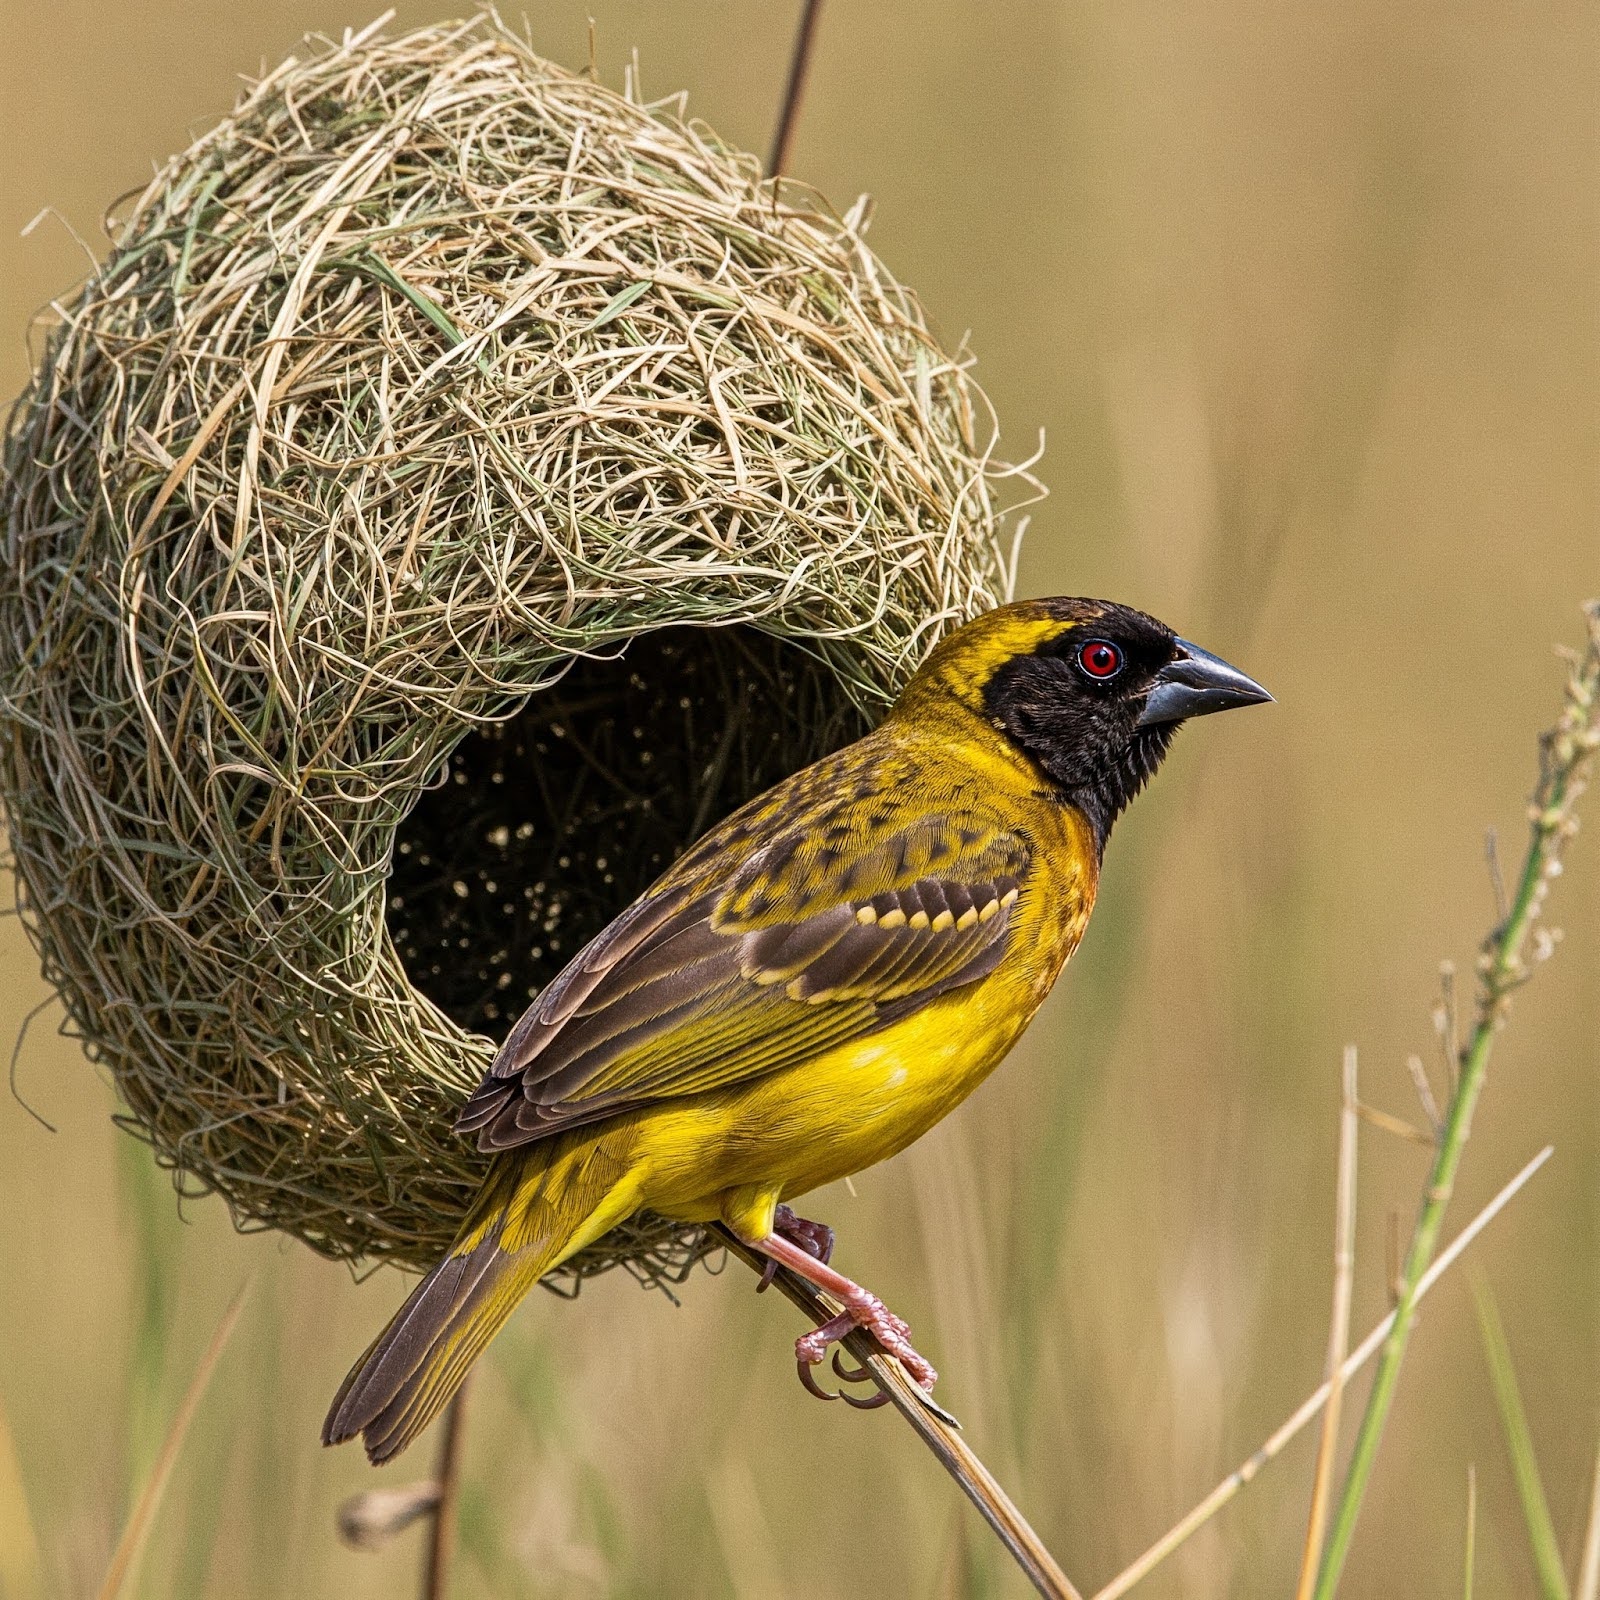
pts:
pixel 816 936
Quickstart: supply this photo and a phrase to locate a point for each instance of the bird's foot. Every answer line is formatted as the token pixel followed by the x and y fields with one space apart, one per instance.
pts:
pixel 804 1247
pixel 815 1238
pixel 864 1310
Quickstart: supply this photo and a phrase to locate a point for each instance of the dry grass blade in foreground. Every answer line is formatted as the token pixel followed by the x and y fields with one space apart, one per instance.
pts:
pixel 126 1556
pixel 1589 1568
pixel 1186 1527
pixel 1344 1271
pixel 1469 1557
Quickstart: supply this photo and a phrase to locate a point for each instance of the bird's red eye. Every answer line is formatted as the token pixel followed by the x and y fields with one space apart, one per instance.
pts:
pixel 1100 659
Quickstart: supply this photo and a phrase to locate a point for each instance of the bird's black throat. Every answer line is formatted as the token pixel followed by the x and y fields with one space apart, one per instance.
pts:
pixel 1104 792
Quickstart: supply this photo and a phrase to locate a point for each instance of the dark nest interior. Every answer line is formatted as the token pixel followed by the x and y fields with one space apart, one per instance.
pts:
pixel 542 828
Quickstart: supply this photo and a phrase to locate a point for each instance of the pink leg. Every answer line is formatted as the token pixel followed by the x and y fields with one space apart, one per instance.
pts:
pixel 861 1310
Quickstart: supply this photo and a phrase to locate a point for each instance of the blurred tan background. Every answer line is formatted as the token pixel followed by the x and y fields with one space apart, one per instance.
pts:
pixel 1304 299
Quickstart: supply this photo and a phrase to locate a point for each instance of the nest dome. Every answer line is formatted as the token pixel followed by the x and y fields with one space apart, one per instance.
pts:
pixel 460 485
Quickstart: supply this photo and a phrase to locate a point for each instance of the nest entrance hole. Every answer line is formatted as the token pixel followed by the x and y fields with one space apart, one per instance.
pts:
pixel 545 826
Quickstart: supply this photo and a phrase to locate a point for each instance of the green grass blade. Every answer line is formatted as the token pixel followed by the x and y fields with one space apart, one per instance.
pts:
pixel 619 303
pixel 145 1195
pixel 379 270
pixel 376 268
pixel 1519 1444
pixel 129 1546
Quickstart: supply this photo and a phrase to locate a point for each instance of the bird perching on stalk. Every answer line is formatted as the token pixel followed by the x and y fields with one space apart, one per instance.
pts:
pixel 811 987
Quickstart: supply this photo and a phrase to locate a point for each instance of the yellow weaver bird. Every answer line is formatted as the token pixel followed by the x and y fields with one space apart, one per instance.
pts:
pixel 809 988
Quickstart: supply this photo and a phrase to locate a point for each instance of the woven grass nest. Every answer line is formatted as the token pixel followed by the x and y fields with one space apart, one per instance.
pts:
pixel 460 485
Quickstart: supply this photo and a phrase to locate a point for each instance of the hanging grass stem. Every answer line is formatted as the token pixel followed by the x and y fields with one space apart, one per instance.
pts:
pixel 795 89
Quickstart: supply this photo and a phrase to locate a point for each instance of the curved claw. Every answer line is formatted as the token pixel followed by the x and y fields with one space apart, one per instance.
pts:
pixel 870 1404
pixel 768 1273
pixel 861 1374
pixel 810 1384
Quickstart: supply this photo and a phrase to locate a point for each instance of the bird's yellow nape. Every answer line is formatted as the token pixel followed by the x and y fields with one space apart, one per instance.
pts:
pixel 962 664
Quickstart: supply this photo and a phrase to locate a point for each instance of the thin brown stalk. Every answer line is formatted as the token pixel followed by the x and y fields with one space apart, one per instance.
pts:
pixel 1470 1562
pixel 442 1526
pixel 1186 1527
pixel 935 1428
pixel 130 1545
pixel 795 89
pixel 1391 1256
pixel 1344 1270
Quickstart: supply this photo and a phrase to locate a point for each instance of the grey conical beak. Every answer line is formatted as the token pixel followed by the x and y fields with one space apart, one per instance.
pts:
pixel 1194 684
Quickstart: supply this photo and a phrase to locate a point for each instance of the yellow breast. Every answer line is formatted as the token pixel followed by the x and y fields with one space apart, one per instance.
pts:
pixel 854 1106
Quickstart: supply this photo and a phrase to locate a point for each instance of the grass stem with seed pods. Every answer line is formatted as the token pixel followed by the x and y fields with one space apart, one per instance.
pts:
pixel 1565 755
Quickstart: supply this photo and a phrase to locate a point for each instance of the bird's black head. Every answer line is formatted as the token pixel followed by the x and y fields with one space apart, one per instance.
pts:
pixel 1090 691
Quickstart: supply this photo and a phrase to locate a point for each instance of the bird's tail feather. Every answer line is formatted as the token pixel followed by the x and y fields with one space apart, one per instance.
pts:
pixel 538 1208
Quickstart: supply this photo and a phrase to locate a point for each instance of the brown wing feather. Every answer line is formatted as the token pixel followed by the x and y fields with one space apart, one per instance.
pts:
pixel 740 963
